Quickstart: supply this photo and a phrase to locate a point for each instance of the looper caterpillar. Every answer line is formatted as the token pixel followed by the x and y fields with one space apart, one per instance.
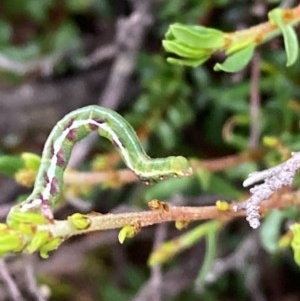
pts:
pixel 74 127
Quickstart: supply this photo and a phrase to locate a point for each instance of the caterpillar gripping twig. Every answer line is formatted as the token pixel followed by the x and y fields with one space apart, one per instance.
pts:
pixel 74 127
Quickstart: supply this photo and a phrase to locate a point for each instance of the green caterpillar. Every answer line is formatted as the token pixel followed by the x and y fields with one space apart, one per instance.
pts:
pixel 74 127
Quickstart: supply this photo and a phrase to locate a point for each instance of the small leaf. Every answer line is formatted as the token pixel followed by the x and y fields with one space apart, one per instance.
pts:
pixel 183 50
pixel 198 36
pixel 172 247
pixel 236 61
pixel 9 165
pixel 188 62
pixel 210 256
pixel 39 239
pixel 67 35
pixel 295 228
pixel 18 219
pixel 290 38
pixel 291 45
pixel 31 160
pixel 270 230
pixel 271 141
pixel 25 177
pixel 51 245
pixel 204 177
pixel 11 242
pixel 128 232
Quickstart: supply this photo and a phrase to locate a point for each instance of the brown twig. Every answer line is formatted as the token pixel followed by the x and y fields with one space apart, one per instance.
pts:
pixel 219 164
pixel 11 285
pixel 168 213
pixel 262 32
pixel 254 101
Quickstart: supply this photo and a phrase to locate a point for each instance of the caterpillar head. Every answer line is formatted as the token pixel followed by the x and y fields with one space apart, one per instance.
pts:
pixel 180 166
pixel 161 169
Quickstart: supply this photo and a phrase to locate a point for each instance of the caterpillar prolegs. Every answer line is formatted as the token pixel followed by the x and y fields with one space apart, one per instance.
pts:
pixel 74 127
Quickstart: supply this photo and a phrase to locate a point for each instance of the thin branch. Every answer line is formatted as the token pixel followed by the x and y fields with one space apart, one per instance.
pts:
pixel 79 204
pixel 31 281
pixel 13 289
pixel 262 32
pixel 43 65
pixel 142 219
pixel 99 55
pixel 156 277
pixel 235 261
pixel 175 280
pixel 99 222
pixel 243 258
pixel 255 101
pixel 219 164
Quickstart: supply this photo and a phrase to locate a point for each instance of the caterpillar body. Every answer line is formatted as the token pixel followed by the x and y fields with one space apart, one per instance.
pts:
pixel 74 127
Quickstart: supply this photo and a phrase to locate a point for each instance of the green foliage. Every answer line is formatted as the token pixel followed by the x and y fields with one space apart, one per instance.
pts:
pixel 295 228
pixel 31 160
pixel 162 108
pixel 195 36
pixel 210 252
pixel 9 165
pixel 79 5
pixel 271 229
pixel 126 232
pixel 170 248
pixel 5 32
pixel 236 61
pixel 32 29
pixel 289 35
pixel 216 184
pixel 35 9
pixel 66 35
pixel 165 189
pixel 194 43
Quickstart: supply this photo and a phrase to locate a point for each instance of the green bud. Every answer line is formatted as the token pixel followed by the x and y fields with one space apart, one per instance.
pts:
pixel 188 62
pixel 16 218
pixel 38 240
pixel 295 244
pixel 11 242
pixel 51 245
pixel 79 221
pixel 128 232
pixel 31 160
